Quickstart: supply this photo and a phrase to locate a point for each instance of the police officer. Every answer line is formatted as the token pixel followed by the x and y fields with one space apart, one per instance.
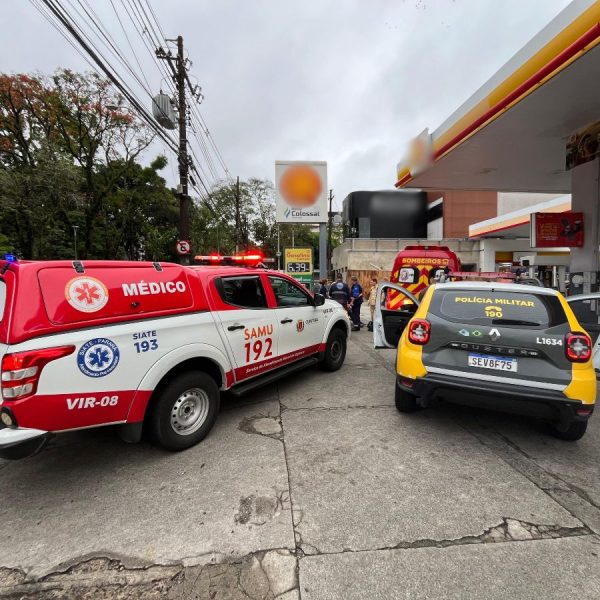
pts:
pixel 356 299
pixel 339 291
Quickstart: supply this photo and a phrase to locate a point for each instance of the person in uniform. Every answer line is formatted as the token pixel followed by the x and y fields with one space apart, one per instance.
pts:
pixel 339 292
pixel 356 299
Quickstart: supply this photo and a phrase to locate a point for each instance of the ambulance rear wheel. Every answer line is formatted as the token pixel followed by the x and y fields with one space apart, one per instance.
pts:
pixel 185 411
pixel 575 431
pixel 405 401
pixel 335 351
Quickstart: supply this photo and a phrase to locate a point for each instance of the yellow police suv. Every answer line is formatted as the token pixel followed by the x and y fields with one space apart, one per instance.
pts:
pixel 504 346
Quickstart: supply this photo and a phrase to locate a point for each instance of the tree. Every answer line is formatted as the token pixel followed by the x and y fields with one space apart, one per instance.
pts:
pixel 141 213
pixel 40 204
pixel 213 224
pixel 80 116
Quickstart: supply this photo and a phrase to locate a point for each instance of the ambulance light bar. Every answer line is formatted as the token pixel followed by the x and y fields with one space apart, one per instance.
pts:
pixel 251 259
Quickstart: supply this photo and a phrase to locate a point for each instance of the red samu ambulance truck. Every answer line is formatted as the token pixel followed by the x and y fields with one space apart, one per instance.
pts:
pixel 85 344
pixel 415 268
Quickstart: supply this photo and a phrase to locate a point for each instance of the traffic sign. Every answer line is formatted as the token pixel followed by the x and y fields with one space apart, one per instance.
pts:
pixel 184 247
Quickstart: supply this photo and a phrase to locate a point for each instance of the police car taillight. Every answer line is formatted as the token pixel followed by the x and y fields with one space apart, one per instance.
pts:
pixel 21 371
pixel 578 347
pixel 419 331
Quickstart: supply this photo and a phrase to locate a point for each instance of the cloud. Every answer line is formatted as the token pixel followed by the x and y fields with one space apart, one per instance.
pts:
pixel 345 81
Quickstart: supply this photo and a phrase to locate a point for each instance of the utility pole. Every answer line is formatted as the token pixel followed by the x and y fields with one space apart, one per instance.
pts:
pixel 329 231
pixel 180 78
pixel 184 199
pixel 237 215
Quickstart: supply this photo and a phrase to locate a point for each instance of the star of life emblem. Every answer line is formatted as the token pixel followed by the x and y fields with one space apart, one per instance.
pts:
pixel 86 294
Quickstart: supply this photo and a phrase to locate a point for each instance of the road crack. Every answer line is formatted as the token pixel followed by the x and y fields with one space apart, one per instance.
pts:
pixel 574 500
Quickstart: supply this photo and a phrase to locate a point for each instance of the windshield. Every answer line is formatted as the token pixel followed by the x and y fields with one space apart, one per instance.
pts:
pixel 497 307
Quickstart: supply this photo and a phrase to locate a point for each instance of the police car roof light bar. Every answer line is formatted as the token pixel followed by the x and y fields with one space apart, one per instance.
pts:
pixel 485 275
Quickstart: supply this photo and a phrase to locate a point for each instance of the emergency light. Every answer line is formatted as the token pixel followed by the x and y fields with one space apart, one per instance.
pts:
pixel 249 259
pixel 11 258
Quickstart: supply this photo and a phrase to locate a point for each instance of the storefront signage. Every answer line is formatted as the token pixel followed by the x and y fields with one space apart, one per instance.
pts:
pixel 557 230
pixel 301 192
pixel 583 146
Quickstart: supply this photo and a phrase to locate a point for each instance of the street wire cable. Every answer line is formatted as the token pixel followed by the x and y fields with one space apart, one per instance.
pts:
pixel 42 10
pixel 154 30
pixel 194 108
pixel 109 42
pixel 63 18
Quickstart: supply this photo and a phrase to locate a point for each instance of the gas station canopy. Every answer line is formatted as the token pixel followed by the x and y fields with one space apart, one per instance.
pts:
pixel 516 224
pixel 511 135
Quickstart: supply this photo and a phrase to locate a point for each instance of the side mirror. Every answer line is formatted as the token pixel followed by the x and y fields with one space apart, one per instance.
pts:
pixel 319 299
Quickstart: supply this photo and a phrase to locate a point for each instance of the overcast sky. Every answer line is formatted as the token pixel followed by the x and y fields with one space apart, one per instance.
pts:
pixel 346 81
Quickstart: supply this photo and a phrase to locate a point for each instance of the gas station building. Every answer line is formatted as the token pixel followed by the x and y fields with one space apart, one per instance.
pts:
pixel 534 127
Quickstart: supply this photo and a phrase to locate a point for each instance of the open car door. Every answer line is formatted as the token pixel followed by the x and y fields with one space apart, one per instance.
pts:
pixel 587 310
pixel 389 324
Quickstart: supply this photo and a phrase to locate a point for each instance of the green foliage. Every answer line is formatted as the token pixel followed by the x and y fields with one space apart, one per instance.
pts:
pixel 68 163
pixel 213 225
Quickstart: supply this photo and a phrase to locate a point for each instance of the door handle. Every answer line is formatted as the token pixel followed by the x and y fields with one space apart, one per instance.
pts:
pixel 235 326
pixel 288 320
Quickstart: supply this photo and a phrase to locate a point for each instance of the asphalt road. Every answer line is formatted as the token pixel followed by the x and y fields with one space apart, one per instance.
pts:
pixel 316 488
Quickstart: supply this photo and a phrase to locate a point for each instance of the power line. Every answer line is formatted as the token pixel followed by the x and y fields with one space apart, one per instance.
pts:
pixel 194 109
pixel 40 8
pixel 146 24
pixel 129 42
pixel 63 18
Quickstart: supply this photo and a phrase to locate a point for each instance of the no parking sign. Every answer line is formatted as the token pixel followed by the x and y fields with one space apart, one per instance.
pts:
pixel 184 247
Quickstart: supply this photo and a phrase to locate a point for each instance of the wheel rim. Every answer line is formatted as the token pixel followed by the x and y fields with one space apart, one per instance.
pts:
pixel 190 411
pixel 336 350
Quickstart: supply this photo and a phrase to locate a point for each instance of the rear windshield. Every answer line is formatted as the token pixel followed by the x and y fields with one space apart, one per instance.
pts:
pixel 489 307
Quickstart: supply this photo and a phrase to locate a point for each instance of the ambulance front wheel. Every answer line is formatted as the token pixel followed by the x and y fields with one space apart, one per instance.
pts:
pixel 185 411
pixel 335 351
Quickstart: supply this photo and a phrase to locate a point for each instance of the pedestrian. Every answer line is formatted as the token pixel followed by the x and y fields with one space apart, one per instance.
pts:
pixel 323 288
pixel 372 299
pixel 339 291
pixel 356 300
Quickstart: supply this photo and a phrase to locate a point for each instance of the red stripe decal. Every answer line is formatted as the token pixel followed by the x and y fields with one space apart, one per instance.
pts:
pixel 80 409
pixel 257 368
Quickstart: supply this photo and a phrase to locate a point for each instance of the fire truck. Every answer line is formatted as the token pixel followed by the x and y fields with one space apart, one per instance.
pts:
pixel 416 267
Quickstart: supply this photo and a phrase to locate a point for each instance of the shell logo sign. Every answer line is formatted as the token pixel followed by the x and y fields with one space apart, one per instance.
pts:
pixel 301 192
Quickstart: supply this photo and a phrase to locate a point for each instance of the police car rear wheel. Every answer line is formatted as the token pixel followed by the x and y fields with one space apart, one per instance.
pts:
pixel 185 411
pixel 405 401
pixel 335 351
pixel 575 431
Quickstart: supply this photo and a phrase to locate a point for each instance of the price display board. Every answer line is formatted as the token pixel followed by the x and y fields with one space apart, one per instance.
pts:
pixel 298 262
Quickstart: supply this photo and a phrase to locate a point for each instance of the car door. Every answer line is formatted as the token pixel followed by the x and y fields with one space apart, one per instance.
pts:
pixel 249 325
pixel 587 310
pixel 388 323
pixel 300 323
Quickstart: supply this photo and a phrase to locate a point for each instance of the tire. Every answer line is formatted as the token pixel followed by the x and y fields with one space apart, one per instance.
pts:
pixel 405 401
pixel 575 431
pixel 185 411
pixel 335 351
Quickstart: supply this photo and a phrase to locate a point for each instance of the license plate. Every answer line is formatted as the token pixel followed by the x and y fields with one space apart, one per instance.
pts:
pixel 484 361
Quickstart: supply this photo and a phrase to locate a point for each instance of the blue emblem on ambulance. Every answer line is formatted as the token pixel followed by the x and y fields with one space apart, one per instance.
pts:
pixel 98 357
